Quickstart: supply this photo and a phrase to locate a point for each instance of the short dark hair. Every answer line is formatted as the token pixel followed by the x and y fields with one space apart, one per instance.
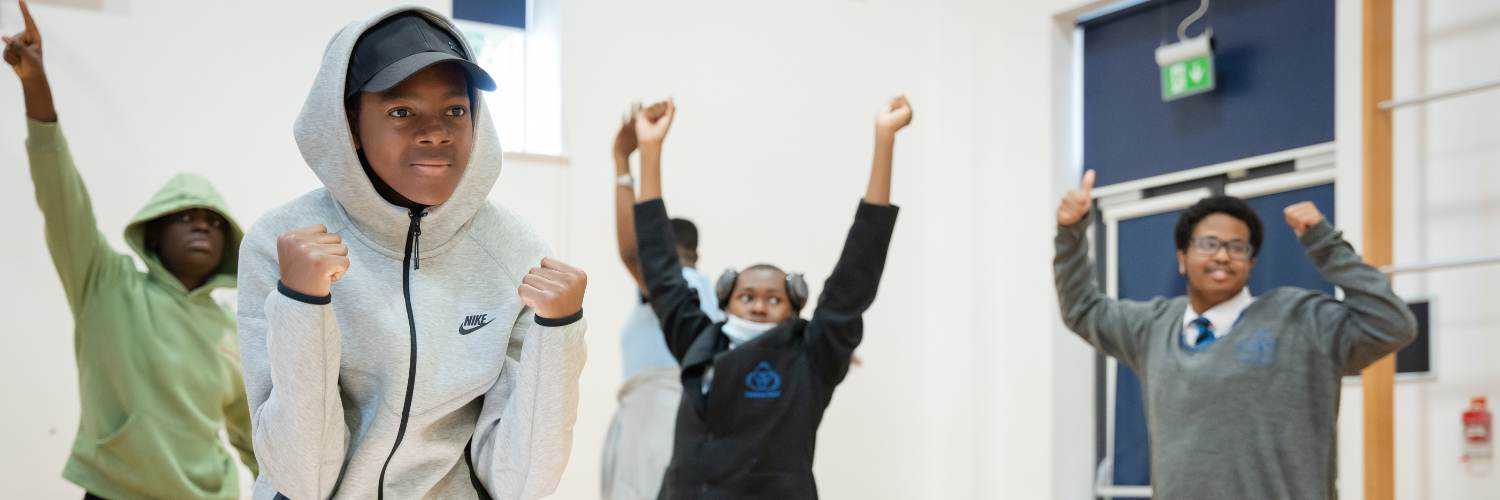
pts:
pixel 1221 204
pixel 764 267
pixel 686 233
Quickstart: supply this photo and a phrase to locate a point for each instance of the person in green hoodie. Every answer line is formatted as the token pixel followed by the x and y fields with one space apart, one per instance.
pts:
pixel 158 362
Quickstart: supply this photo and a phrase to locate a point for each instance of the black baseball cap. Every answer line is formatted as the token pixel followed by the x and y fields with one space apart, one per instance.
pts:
pixel 402 45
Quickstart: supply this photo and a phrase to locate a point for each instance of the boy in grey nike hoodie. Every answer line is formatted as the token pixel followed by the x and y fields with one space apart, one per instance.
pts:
pixel 394 341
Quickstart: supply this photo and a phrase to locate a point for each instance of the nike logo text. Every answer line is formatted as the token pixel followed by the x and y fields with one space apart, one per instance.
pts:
pixel 473 323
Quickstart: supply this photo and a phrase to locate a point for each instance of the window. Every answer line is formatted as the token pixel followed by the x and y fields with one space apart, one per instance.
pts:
pixel 516 41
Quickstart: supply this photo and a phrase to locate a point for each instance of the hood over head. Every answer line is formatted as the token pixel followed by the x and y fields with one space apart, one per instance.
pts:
pixel 326 142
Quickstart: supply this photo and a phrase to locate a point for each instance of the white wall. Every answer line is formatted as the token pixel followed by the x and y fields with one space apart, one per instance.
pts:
pixel 1448 200
pixel 1445 206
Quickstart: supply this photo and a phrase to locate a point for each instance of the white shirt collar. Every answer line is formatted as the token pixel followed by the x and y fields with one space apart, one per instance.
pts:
pixel 1222 316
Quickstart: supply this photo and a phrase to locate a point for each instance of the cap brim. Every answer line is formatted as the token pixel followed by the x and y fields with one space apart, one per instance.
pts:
pixel 399 71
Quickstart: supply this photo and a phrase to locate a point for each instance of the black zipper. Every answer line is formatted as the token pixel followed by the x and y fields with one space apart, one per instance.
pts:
pixel 411 259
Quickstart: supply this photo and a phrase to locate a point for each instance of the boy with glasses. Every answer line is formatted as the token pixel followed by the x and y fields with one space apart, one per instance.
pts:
pixel 1241 392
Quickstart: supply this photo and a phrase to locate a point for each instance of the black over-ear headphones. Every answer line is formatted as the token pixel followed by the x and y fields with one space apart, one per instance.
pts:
pixel 796 289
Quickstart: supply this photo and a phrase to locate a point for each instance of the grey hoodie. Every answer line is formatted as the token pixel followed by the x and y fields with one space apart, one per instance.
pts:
pixel 400 380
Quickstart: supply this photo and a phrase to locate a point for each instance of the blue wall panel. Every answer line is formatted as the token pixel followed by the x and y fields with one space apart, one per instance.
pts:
pixel 502 12
pixel 1274 63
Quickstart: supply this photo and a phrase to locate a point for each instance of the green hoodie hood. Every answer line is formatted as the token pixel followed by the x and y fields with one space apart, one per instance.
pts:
pixel 186 191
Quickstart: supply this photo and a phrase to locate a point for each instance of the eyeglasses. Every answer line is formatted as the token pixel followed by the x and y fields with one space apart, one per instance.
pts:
pixel 1209 245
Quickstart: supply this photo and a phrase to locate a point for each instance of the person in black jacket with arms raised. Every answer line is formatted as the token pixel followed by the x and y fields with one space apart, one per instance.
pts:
pixel 755 386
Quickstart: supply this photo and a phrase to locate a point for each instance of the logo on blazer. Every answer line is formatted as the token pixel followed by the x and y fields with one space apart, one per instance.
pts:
pixel 1258 349
pixel 763 382
pixel 473 324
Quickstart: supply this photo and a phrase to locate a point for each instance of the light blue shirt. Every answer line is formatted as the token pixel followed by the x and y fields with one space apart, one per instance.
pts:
pixel 642 345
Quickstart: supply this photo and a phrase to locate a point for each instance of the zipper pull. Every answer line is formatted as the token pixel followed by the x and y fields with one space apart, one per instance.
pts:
pixel 416 235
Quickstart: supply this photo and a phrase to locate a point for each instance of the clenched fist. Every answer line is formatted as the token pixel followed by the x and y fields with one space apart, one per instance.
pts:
pixel 653 122
pixel 1302 216
pixel 311 259
pixel 554 290
pixel 625 138
pixel 892 117
pixel 1075 205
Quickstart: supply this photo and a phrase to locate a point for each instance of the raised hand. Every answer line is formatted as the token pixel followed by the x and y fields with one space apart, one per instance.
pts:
pixel 553 290
pixel 625 141
pixel 23 51
pixel 655 110
pixel 1302 216
pixel 892 117
pixel 1076 204
pixel 311 259
pixel 653 122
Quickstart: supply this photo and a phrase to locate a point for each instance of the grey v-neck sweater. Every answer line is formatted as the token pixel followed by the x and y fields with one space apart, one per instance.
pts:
pixel 1254 414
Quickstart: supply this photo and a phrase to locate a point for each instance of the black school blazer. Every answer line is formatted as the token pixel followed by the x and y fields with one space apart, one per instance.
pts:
pixel 754 433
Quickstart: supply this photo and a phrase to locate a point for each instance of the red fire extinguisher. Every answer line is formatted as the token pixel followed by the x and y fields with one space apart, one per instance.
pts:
pixel 1478 438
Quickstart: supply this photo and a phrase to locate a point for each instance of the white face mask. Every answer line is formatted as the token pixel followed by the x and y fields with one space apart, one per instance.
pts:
pixel 741 330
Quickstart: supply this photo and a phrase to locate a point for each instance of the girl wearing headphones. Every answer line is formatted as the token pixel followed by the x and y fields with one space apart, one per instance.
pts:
pixel 755 386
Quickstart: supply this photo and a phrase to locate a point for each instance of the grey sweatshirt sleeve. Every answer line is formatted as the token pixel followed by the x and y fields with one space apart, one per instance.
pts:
pixel 1115 327
pixel 1371 321
pixel 524 433
pixel 290 357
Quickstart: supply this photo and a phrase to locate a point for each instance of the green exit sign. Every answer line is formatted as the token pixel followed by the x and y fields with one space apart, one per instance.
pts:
pixel 1187 77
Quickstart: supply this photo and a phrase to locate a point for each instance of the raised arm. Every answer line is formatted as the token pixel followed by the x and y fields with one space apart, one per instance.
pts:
pixel 290 353
pixel 524 432
pixel 675 303
pixel 625 144
pixel 651 131
pixel 1371 321
pixel 891 118
pixel 80 253
pixel 1114 327
pixel 837 325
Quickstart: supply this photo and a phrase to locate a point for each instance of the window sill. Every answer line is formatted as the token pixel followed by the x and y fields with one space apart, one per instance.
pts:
pixel 545 159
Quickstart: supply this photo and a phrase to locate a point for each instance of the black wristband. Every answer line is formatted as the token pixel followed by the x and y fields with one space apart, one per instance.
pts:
pixel 302 297
pixel 570 319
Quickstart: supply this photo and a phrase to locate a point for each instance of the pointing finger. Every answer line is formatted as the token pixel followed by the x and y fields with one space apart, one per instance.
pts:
pixel 30 24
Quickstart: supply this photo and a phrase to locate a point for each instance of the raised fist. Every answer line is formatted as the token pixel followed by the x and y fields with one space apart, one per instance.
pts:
pixel 653 122
pixel 1302 216
pixel 311 259
pixel 554 290
pixel 892 117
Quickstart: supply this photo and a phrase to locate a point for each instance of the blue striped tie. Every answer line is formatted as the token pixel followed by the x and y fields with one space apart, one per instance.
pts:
pixel 1205 331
